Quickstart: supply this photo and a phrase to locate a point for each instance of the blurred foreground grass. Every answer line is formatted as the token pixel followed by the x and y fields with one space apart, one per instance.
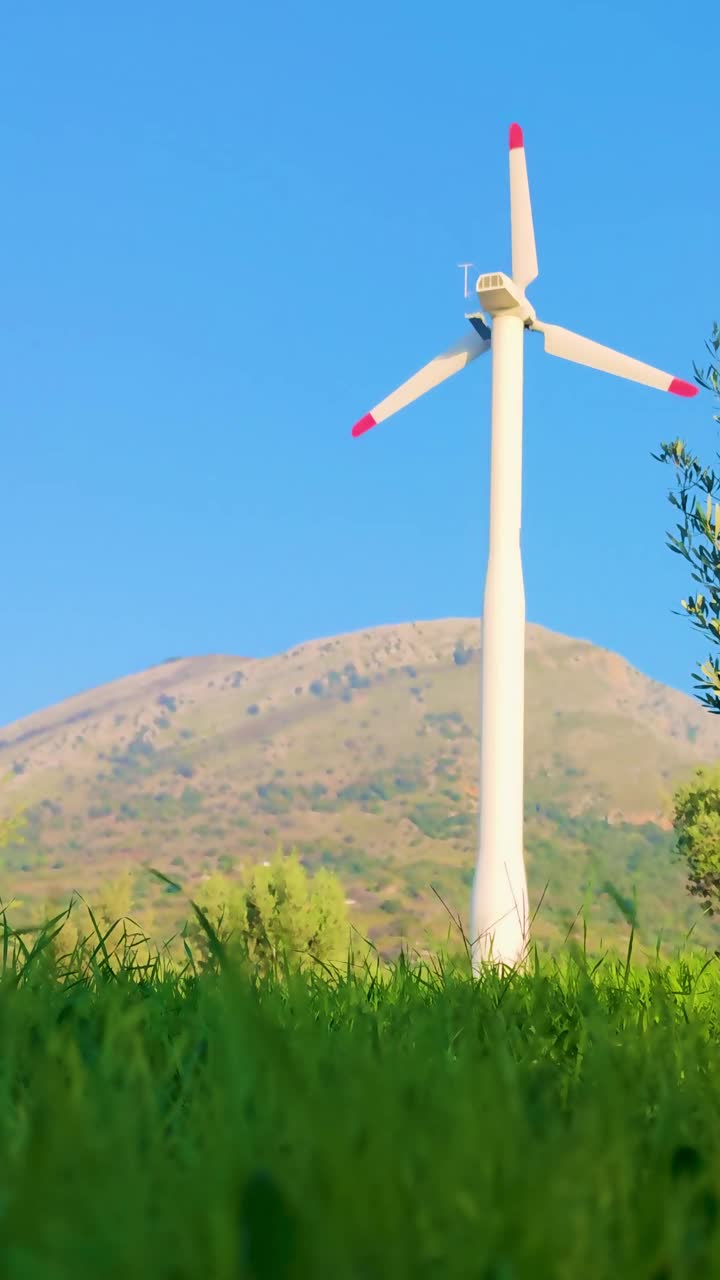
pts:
pixel 168 1121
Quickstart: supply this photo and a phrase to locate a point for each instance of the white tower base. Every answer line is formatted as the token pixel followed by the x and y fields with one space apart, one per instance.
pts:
pixel 499 909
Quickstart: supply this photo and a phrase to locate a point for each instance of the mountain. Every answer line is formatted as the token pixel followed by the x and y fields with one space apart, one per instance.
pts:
pixel 362 751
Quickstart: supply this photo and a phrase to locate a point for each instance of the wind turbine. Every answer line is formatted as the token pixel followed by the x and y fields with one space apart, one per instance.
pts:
pixel 499 906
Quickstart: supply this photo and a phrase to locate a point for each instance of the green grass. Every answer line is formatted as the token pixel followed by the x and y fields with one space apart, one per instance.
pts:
pixel 160 1120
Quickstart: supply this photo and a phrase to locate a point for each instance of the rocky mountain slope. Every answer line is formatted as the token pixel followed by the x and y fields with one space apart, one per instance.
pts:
pixel 361 750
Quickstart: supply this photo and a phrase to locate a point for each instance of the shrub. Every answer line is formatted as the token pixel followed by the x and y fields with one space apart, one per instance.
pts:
pixel 276 911
pixel 461 655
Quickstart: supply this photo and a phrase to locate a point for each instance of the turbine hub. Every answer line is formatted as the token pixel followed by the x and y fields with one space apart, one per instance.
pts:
pixel 501 296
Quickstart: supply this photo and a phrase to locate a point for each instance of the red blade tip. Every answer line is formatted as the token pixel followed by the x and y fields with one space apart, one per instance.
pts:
pixel 364 425
pixel 516 137
pixel 680 388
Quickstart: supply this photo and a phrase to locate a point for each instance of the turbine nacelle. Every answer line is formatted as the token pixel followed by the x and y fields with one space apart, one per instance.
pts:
pixel 500 295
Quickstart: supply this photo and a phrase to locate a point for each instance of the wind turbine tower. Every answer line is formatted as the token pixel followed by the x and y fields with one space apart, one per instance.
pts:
pixel 499 917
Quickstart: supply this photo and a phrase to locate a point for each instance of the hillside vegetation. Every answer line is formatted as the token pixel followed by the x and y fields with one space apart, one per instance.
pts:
pixel 360 750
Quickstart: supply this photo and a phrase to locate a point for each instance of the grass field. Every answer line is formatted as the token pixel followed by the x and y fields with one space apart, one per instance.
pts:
pixel 168 1122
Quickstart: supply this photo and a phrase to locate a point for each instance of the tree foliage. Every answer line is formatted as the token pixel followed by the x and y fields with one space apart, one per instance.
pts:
pixel 113 900
pixel 276 911
pixel 696 805
pixel 698 534
pixel 111 904
pixel 696 821
pixel 69 934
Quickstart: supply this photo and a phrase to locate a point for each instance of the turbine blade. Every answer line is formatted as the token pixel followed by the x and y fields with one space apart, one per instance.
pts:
pixel 442 367
pixel 571 346
pixel 524 257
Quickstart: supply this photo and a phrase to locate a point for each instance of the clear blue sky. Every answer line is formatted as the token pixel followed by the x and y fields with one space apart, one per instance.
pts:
pixel 228 230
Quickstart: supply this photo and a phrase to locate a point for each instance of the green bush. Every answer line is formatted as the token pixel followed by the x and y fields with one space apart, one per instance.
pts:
pixel 273 910
pixel 696 822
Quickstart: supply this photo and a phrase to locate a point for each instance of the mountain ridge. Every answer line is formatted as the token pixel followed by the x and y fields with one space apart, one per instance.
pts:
pixel 361 748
